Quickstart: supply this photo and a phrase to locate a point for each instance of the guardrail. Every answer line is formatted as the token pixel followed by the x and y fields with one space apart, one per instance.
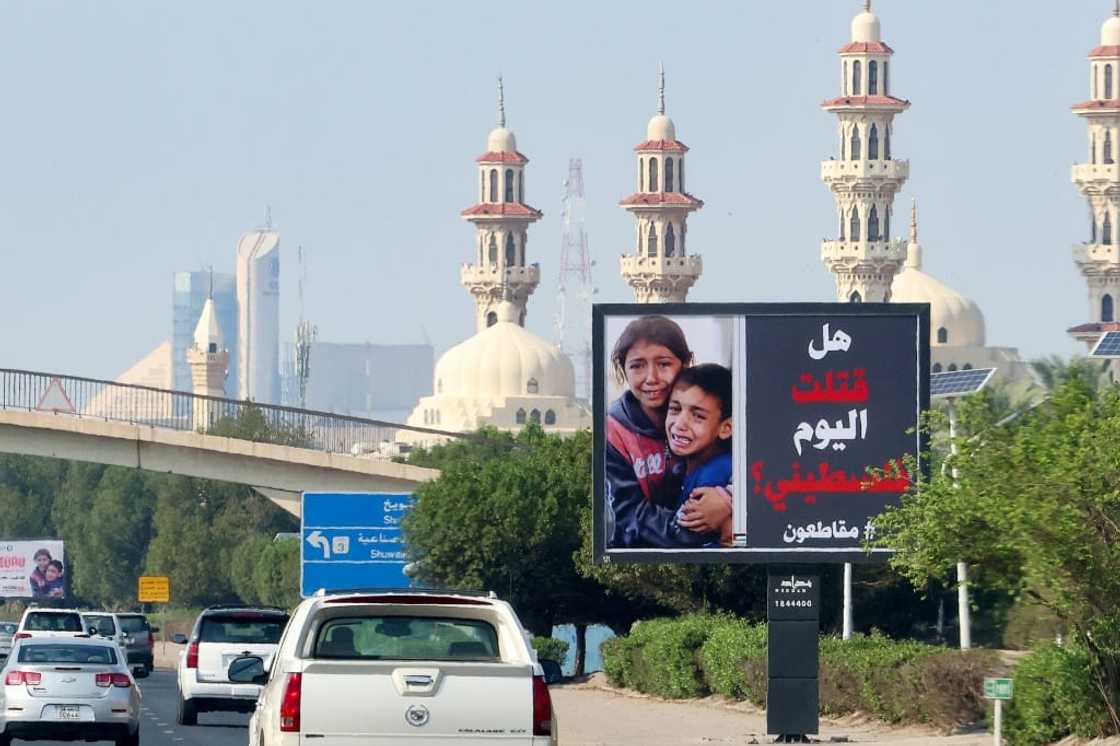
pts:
pixel 180 410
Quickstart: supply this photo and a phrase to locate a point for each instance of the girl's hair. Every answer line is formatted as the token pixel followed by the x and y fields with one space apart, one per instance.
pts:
pixel 42 553
pixel 657 330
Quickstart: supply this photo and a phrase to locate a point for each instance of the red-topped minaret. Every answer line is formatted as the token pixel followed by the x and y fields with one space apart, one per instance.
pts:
pixel 866 177
pixel 1098 179
pixel 660 270
pixel 501 219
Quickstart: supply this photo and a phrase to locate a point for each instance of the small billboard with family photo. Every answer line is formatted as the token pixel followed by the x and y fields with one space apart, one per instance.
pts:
pixel 32 569
pixel 753 432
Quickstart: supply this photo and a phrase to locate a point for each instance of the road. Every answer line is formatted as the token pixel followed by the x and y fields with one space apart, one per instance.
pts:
pixel 157 721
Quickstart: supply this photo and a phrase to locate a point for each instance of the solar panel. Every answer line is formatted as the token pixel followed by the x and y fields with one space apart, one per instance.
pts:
pixel 1107 346
pixel 958 382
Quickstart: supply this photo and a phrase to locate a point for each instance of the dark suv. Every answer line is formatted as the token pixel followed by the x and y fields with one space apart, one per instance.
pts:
pixel 138 639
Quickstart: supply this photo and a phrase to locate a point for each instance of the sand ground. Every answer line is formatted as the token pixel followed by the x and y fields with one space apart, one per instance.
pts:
pixel 592 714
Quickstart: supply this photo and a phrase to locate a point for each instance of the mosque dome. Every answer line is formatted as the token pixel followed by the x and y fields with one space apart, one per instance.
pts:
pixel 865 26
pixel 1110 32
pixel 960 317
pixel 504 360
pixel 661 127
pixel 501 140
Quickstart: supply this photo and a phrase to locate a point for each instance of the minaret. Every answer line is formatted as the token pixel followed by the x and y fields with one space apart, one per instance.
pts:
pixel 209 361
pixel 501 219
pixel 660 270
pixel 1099 180
pixel 865 178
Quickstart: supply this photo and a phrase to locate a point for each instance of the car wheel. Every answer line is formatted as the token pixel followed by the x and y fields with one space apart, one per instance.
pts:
pixel 187 713
pixel 129 739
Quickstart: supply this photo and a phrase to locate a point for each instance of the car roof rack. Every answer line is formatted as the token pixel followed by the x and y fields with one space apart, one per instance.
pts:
pixel 245 607
pixel 409 591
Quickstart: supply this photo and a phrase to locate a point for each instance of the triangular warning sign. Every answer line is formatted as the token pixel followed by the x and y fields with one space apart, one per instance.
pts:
pixel 54 399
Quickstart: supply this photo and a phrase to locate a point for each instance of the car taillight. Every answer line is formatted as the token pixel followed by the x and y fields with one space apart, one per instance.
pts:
pixel 290 704
pixel 192 655
pixel 15 678
pixel 151 639
pixel 22 635
pixel 542 708
pixel 106 680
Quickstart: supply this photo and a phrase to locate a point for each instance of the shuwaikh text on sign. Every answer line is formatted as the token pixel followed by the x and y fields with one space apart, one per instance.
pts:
pixel 754 432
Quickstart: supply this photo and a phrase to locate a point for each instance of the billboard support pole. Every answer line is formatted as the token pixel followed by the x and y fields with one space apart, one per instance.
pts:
pixel 847 600
pixel 964 612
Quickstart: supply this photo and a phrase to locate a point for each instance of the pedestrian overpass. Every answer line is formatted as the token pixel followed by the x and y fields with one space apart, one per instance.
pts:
pixel 279 451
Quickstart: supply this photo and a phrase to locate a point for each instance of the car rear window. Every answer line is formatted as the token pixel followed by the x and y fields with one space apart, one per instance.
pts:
pixel 406 638
pixel 249 628
pixel 102 623
pixel 42 621
pixel 63 653
pixel 133 623
pixel 8 628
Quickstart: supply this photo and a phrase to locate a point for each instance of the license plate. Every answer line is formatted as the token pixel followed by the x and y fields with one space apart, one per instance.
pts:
pixel 68 712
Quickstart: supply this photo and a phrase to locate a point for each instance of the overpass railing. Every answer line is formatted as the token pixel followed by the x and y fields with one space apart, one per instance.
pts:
pixel 180 410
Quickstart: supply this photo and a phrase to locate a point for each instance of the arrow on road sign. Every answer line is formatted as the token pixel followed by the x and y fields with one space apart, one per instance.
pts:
pixel 316 539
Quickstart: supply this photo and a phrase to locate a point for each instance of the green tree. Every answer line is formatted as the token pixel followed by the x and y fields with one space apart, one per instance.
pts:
pixel 182 547
pixel 1036 510
pixel 505 514
pixel 276 574
pixel 251 423
pixel 116 533
pixel 243 565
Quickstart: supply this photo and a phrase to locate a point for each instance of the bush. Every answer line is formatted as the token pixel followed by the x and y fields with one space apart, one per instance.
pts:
pixel 659 656
pixel 734 660
pixel 1054 697
pixel 549 648
pixel 897 681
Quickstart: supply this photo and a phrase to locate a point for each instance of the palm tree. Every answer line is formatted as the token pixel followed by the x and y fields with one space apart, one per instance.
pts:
pixel 1055 370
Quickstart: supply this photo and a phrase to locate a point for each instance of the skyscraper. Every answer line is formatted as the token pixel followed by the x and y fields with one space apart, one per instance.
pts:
pixel 258 316
pixel 189 295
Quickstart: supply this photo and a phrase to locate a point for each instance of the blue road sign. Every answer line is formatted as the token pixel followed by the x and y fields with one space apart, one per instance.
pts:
pixel 353 540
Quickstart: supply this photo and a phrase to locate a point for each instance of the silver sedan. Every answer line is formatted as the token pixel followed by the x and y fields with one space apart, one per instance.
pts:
pixel 68 689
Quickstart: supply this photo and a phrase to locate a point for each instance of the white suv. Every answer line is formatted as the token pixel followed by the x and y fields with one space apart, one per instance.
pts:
pixel 401 667
pixel 39 622
pixel 221 634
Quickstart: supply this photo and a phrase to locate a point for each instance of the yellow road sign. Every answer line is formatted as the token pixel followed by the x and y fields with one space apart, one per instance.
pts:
pixel 154 589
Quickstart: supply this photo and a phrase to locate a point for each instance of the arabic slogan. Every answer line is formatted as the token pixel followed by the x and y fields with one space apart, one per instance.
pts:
pixel 830 406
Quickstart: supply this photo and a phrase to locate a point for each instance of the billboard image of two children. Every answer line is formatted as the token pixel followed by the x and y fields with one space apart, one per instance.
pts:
pixel 668 432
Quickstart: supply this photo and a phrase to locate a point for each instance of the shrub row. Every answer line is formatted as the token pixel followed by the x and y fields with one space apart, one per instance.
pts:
pixel 895 681
pixel 1054 697
pixel 549 648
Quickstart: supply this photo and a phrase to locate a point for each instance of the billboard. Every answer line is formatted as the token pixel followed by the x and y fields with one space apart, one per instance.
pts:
pixel 753 432
pixel 32 569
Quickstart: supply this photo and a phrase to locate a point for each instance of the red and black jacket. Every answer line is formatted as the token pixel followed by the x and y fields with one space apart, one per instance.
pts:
pixel 643 482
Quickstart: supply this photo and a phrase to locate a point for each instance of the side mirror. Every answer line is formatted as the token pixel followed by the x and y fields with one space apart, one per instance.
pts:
pixel 179 638
pixel 92 631
pixel 248 669
pixel 553 674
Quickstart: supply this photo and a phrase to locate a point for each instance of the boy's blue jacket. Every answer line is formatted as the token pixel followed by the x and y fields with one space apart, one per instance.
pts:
pixel 643 483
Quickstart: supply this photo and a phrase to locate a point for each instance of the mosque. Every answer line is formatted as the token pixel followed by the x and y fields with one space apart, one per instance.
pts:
pixel 505 376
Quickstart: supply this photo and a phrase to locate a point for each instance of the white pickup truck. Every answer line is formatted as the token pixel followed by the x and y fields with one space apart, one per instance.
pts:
pixel 391 667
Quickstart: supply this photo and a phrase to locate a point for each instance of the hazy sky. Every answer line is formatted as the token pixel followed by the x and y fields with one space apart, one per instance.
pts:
pixel 142 138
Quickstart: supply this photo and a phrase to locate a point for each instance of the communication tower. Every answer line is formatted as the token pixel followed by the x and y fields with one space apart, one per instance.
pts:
pixel 573 319
pixel 306 333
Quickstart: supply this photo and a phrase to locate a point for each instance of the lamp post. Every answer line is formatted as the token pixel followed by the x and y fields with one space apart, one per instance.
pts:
pixel 951 386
